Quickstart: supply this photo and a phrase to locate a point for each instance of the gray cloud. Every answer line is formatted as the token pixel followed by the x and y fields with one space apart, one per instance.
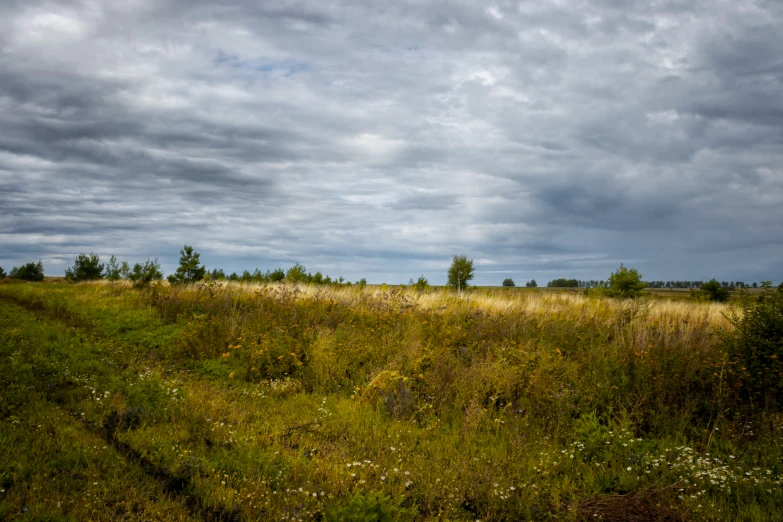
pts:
pixel 378 138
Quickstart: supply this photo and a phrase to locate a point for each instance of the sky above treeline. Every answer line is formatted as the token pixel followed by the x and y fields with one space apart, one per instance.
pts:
pixel 377 139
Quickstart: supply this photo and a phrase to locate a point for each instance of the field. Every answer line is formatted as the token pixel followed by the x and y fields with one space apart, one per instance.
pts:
pixel 281 402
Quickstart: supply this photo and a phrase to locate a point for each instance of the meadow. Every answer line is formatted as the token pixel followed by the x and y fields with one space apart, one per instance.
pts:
pixel 286 402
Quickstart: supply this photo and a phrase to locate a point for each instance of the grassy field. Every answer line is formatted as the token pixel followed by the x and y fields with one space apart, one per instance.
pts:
pixel 312 403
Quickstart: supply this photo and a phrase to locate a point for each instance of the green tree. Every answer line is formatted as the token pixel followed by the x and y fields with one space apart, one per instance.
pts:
pixel 508 282
pixel 28 272
pixel 460 272
pixel 714 291
pixel 297 274
pixel 113 269
pixel 85 268
pixel 626 282
pixel 531 284
pixel 421 284
pixel 143 274
pixel 277 275
pixel 190 270
pixel 2 272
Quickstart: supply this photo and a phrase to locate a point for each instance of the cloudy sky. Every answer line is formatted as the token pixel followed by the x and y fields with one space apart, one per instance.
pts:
pixel 378 138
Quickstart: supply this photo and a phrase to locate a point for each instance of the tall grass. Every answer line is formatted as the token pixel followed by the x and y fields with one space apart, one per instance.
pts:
pixel 301 402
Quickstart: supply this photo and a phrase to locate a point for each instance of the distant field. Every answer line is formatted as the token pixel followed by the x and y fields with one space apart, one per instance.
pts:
pixel 248 402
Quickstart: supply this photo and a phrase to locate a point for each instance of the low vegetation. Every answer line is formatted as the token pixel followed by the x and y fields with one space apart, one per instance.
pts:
pixel 300 402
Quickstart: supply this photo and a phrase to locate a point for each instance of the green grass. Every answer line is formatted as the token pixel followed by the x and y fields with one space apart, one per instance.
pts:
pixel 265 403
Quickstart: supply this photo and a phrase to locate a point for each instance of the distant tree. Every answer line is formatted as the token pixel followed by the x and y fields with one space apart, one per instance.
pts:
pixel 113 269
pixel 755 284
pixel 508 282
pixel 460 272
pixel 28 272
pixel 233 277
pixel 85 268
pixel 190 270
pixel 143 274
pixel 531 284
pixel 218 274
pixel 2 272
pixel 714 291
pixel 421 284
pixel 626 282
pixel 278 274
pixel 297 274
pixel 362 283
pixel 563 283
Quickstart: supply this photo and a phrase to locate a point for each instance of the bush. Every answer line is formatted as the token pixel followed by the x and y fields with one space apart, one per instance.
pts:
pixel 757 349
pixel 143 275
pixel 29 272
pixel 85 268
pixel 508 282
pixel 626 282
pixel 714 291
pixel 368 508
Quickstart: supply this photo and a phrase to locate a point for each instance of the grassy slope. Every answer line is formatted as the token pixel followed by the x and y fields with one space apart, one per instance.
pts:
pixel 261 404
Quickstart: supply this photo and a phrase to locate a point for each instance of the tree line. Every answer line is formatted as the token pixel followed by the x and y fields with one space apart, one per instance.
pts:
pixel 625 282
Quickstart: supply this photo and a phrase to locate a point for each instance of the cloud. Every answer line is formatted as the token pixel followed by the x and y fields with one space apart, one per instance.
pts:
pixel 376 139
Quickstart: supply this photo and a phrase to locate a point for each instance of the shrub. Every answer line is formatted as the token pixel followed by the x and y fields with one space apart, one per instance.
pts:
pixel 29 272
pixel 85 268
pixel 508 282
pixel 757 348
pixel 143 275
pixel 368 508
pixel 626 282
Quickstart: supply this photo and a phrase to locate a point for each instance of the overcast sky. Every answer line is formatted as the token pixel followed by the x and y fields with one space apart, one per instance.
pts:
pixel 379 138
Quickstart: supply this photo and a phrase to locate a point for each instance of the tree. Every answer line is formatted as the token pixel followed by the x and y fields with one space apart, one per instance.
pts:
pixel 421 284
pixel 2 272
pixel 531 284
pixel 508 282
pixel 714 291
pixel 297 274
pixel 278 274
pixel 218 274
pixel 85 268
pixel 143 274
pixel 189 270
pixel 460 272
pixel 113 269
pixel 626 282
pixel 28 272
